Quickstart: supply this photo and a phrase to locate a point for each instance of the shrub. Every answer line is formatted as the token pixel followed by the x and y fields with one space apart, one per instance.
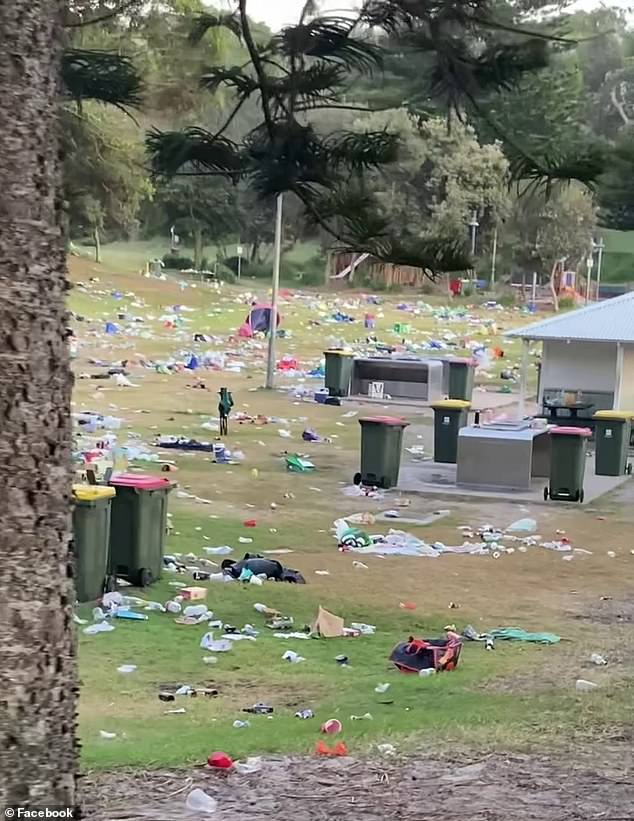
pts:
pixel 506 300
pixel 225 274
pixel 232 264
pixel 173 262
pixel 566 303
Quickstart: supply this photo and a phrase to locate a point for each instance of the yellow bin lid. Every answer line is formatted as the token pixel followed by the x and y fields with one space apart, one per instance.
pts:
pixel 340 353
pixel 449 404
pixel 614 414
pixel 90 493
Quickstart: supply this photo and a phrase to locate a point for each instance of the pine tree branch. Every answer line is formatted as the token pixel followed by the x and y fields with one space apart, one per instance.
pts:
pixel 107 16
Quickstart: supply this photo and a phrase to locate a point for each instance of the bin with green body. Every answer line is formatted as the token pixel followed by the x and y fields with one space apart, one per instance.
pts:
pixel 612 440
pixel 381 446
pixel 138 527
pixel 461 378
pixel 91 539
pixel 567 463
pixel 449 416
pixel 338 372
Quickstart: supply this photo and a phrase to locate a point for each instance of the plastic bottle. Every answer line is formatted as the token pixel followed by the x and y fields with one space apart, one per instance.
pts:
pixel 428 671
pixel 599 660
pixel 304 714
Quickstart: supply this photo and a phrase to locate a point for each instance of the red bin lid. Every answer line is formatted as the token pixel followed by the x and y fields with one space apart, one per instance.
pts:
pixel 564 430
pixel 394 421
pixel 140 481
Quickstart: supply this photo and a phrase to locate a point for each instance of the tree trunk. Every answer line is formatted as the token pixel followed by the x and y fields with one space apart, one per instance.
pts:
pixel 97 245
pixel 37 648
pixel 198 248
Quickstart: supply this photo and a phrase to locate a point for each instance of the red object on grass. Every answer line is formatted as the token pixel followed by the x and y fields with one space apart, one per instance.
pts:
pixel 250 523
pixel 340 749
pixel 220 761
pixel 332 726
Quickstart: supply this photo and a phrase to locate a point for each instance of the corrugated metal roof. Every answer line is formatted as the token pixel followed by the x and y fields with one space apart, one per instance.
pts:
pixel 609 321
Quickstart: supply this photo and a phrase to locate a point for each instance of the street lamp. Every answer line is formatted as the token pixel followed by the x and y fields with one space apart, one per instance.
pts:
pixel 277 258
pixel 599 247
pixel 474 225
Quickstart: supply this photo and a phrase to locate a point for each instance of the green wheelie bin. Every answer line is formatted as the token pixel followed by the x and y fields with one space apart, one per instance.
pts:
pixel 91 539
pixel 612 440
pixel 381 446
pixel 449 416
pixel 138 528
pixel 338 372
pixel 461 378
pixel 567 463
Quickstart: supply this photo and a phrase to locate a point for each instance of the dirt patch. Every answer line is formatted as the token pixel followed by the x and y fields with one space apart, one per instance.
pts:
pixel 574 787
pixel 605 611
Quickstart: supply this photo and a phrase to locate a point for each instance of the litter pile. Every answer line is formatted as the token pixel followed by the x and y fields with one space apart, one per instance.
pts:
pixel 491 542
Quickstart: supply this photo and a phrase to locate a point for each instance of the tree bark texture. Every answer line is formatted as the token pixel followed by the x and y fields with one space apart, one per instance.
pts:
pixel 37 652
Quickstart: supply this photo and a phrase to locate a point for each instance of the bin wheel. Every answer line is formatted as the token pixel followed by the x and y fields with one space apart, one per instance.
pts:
pixel 146 577
pixel 629 469
pixel 581 496
pixel 546 494
pixel 110 584
pixel 357 479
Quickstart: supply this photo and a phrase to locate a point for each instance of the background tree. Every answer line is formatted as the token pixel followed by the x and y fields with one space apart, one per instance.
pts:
pixel 442 176
pixel 305 69
pixel 105 182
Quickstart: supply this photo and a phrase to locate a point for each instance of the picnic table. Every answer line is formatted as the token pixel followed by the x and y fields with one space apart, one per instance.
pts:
pixel 555 409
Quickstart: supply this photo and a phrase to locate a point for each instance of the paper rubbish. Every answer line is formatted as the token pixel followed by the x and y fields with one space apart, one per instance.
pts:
pixel 327 625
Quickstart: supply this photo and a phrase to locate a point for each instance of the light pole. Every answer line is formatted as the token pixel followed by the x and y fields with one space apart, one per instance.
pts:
pixel 494 257
pixel 277 259
pixel 474 225
pixel 599 247
pixel 589 263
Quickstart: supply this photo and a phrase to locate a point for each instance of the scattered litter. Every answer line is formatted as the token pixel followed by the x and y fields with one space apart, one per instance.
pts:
pixel 220 761
pixel 386 749
pixel 599 660
pixel 516 634
pixel 364 717
pixel 215 646
pixel 584 686
pixel 199 801
pixel 107 735
pixel 327 625
pixel 292 657
pixel 249 767
pixel 382 688
pixel 127 668
pixel 332 727
pixel 339 749
pixel 364 629
pixel 304 714
pixel 98 627
pixel 241 725
pixel 523 526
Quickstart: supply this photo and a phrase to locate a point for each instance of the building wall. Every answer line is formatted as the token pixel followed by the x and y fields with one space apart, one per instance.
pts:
pixel 626 399
pixel 585 366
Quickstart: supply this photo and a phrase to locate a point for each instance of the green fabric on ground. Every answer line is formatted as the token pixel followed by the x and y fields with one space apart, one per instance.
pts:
pixel 517 634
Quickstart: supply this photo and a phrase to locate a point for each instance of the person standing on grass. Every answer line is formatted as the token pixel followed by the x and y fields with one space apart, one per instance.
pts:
pixel 224 409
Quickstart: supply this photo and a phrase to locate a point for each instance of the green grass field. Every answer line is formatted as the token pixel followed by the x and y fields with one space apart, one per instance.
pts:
pixel 520 695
